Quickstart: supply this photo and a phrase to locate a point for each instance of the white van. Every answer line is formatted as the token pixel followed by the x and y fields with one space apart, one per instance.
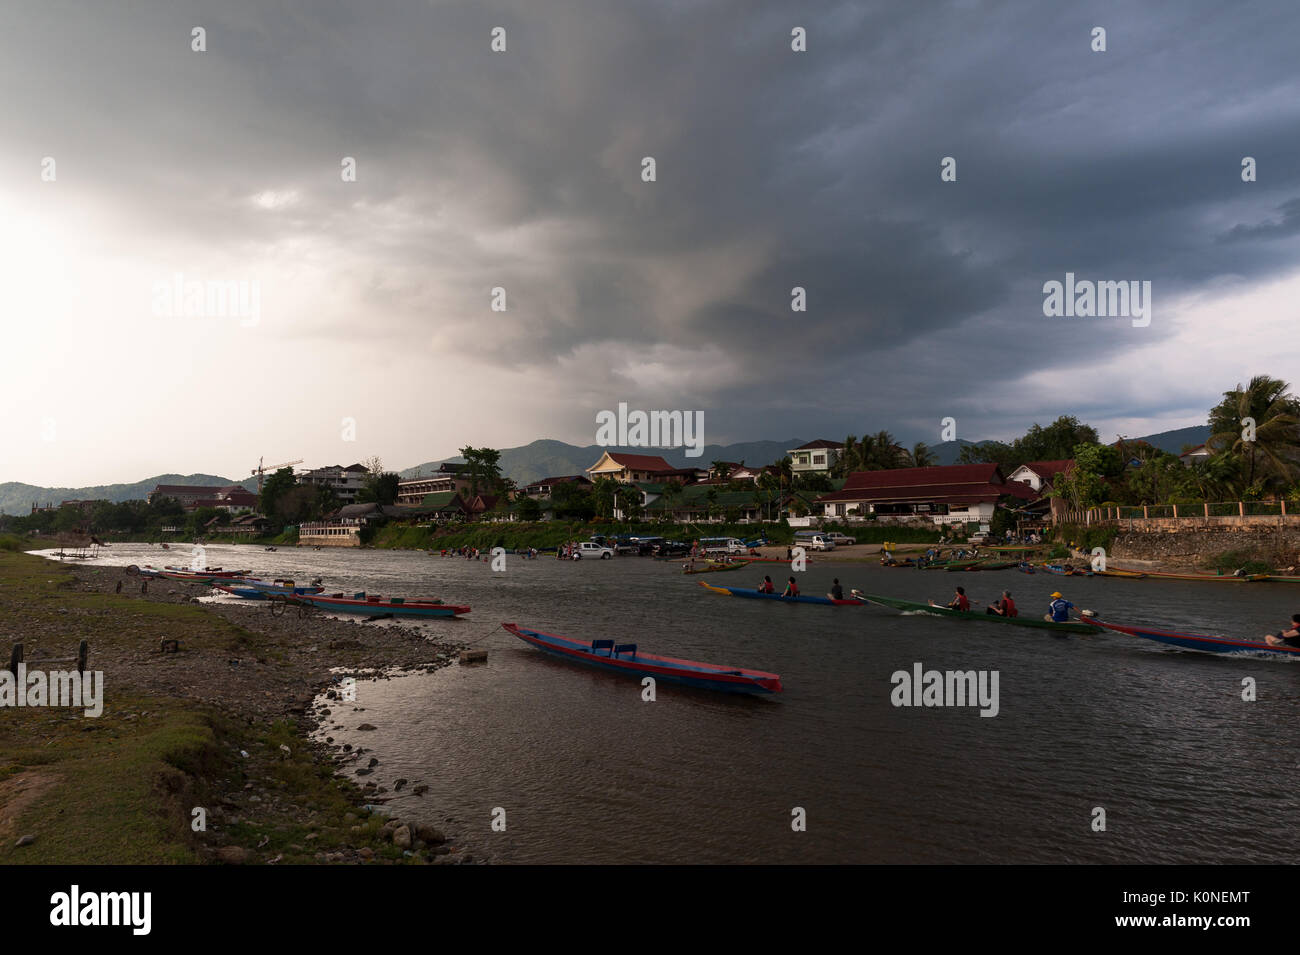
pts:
pixel 813 540
pixel 721 545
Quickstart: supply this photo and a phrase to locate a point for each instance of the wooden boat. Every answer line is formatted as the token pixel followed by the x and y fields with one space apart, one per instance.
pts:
pixel 1200 642
pixel 1131 574
pixel 970 615
pixel 801 599
pixel 715 568
pixel 625 659
pixel 193 576
pixel 374 606
pixel 250 588
pixel 1063 571
pixel 1220 578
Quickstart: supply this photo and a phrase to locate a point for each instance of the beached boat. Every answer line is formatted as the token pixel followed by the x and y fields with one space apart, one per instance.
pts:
pixel 1199 641
pixel 715 568
pixel 801 599
pixel 912 606
pixel 1063 570
pixel 1220 578
pixel 374 606
pixel 250 588
pixel 625 658
pixel 1131 574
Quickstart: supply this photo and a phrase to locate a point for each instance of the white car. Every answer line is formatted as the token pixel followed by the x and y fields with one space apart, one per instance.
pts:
pixel 841 540
pixel 590 549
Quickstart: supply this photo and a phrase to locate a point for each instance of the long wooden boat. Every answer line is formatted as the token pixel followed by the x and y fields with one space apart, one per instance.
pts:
pixel 714 568
pixel 801 599
pixel 1062 571
pixel 625 659
pixel 1219 578
pixel 1200 642
pixel 1131 574
pixel 375 606
pixel 250 588
pixel 974 617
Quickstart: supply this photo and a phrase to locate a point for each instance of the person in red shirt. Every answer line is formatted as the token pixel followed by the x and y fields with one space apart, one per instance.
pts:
pixel 791 589
pixel 960 601
pixel 767 587
pixel 1005 607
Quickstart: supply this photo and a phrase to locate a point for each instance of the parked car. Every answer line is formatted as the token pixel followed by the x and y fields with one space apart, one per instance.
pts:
pixel 813 540
pixel 672 549
pixel 841 540
pixel 588 550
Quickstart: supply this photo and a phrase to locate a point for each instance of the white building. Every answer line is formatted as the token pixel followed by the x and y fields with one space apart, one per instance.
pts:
pixel 344 481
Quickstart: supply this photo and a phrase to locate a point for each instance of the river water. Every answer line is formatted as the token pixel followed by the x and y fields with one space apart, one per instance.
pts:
pixel 586 771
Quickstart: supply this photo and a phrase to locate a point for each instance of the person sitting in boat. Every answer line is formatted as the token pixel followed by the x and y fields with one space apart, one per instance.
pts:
pixel 1286 638
pixel 1058 611
pixel 767 587
pixel 1005 606
pixel 791 588
pixel 837 592
pixel 959 601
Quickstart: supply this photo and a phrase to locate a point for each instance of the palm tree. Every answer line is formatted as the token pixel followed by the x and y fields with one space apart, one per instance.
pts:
pixel 1271 457
pixel 921 456
pixel 848 460
pixel 721 470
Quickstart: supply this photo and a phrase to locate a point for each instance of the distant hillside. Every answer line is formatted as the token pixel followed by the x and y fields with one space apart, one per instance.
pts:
pixel 16 498
pixel 948 451
pixel 544 458
pixel 1173 441
pixel 547 458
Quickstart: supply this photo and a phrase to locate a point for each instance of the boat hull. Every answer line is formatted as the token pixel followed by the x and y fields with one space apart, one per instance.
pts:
pixel 1201 642
pixel 973 617
pixel 704 676
pixel 372 608
pixel 801 599
pixel 1213 578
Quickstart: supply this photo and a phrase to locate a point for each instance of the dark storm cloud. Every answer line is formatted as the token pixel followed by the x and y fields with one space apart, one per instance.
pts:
pixel 779 169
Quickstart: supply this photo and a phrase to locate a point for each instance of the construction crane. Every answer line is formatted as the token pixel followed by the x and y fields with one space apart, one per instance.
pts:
pixel 260 470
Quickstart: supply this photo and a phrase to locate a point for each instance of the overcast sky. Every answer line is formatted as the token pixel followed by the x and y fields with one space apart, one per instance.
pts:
pixel 522 170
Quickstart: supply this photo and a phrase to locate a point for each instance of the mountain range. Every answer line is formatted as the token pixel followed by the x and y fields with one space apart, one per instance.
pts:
pixel 531 462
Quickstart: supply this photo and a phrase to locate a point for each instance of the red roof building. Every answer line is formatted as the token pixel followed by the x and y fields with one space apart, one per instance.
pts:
pixel 635 468
pixel 960 492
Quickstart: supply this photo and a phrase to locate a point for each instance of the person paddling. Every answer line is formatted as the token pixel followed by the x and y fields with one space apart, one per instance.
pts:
pixel 1005 606
pixel 1289 637
pixel 767 587
pixel 837 592
pixel 959 600
pixel 791 589
pixel 1058 611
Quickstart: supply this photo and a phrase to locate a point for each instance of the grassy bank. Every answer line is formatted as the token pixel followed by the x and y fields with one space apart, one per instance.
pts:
pixel 122 787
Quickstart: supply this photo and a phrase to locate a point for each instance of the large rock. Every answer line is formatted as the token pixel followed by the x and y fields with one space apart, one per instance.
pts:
pixel 233 855
pixel 429 834
pixel 402 837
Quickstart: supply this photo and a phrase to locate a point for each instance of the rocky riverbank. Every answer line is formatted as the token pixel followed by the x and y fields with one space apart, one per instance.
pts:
pixel 223 719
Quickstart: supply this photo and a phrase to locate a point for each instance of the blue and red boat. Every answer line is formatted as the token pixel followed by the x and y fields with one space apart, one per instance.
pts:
pixel 624 658
pixel 375 606
pixel 251 588
pixel 801 599
pixel 1198 641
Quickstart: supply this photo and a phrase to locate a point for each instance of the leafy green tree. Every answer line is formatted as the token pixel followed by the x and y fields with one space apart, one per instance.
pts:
pixel 573 502
pixel 483 468
pixel 379 488
pixel 529 509
pixel 273 488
